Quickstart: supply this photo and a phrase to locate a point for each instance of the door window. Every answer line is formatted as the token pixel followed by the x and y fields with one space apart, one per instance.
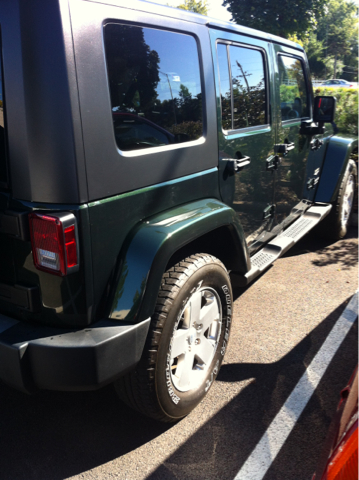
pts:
pixel 155 86
pixel 293 88
pixel 243 87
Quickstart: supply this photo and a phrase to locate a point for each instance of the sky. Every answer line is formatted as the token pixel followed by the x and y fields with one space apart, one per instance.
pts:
pixel 215 8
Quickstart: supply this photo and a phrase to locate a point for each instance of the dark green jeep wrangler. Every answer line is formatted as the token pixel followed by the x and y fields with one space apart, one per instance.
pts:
pixel 145 153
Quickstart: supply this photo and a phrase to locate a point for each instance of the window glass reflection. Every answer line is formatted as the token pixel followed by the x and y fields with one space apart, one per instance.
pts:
pixel 248 83
pixel 155 86
pixel 293 90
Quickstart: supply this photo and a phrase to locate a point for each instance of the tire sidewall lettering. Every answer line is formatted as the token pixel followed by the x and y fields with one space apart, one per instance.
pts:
pixel 228 295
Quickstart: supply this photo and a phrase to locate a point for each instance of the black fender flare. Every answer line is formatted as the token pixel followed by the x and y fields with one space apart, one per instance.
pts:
pixel 152 243
pixel 336 160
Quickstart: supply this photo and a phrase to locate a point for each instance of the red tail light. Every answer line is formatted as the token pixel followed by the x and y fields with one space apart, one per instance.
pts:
pixel 54 242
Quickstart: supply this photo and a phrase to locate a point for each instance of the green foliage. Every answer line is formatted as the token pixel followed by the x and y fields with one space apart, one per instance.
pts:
pixel 350 68
pixel 280 17
pixel 288 93
pixel 140 84
pixel 346 115
pixel 193 129
pixel 315 51
pixel 199 6
pixel 337 30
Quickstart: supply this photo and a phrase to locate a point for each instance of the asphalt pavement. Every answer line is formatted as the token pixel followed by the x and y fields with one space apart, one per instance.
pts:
pixel 280 323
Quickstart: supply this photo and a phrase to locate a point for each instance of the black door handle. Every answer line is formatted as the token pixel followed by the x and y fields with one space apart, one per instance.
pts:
pixel 273 162
pixel 284 148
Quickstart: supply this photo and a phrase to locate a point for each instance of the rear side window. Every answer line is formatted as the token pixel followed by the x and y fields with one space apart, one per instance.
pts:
pixel 155 86
pixel 3 169
pixel 242 86
pixel 293 88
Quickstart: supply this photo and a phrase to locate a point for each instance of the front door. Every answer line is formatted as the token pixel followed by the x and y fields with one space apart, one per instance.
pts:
pixel 245 130
pixel 300 155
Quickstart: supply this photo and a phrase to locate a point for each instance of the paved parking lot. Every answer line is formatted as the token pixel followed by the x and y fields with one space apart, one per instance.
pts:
pixel 280 323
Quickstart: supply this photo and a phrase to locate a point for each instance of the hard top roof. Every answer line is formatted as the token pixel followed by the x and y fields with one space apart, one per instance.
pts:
pixel 157 9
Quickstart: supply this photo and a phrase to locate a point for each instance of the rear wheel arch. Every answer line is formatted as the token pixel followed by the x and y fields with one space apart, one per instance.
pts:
pixel 220 243
pixel 161 241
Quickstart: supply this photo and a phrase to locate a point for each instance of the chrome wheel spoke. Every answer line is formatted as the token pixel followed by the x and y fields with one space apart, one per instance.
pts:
pixel 205 351
pixel 213 330
pixel 209 314
pixel 179 344
pixel 195 303
pixel 185 370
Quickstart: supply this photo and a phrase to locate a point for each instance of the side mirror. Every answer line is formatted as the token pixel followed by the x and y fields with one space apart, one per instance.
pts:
pixel 324 109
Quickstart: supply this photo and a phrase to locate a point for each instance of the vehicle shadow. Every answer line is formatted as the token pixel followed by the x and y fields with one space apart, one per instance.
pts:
pixel 222 445
pixel 344 254
pixel 55 435
pixel 58 435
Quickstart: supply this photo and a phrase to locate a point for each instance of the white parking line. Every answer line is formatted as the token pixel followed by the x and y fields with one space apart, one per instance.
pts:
pixel 278 431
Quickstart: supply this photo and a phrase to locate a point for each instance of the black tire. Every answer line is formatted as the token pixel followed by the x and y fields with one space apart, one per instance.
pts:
pixel 158 387
pixel 335 225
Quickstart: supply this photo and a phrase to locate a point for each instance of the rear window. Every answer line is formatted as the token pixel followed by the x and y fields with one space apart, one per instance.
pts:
pixel 3 169
pixel 243 87
pixel 155 86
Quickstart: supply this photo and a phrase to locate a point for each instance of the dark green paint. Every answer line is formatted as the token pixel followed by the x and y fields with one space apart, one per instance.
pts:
pixel 105 230
pixel 153 242
pixel 112 220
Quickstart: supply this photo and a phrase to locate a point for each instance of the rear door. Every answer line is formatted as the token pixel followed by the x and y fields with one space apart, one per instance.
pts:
pixel 245 130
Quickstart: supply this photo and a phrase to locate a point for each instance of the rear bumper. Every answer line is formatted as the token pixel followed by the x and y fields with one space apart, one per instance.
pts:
pixel 36 357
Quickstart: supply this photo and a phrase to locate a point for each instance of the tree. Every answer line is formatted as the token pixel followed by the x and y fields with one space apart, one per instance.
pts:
pixel 338 31
pixel 199 6
pixel 280 17
pixel 316 54
pixel 133 72
pixel 350 67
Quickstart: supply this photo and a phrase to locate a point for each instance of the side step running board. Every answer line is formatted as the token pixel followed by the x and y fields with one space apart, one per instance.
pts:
pixel 281 244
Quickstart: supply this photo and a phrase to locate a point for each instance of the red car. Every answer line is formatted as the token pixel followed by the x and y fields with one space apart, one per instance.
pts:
pixel 342 463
